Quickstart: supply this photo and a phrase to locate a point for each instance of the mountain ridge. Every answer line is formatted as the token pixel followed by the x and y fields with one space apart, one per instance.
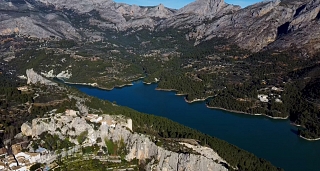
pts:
pixel 204 19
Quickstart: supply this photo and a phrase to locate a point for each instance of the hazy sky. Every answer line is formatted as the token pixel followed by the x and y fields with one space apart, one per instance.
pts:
pixel 180 3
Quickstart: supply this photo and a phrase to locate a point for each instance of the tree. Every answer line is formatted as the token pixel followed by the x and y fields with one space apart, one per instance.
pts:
pixel 82 137
pixel 35 167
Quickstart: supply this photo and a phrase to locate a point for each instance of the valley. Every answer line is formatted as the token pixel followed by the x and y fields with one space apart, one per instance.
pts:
pixel 259 60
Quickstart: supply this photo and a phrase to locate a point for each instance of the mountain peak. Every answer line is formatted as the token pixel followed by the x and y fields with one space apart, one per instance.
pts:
pixel 206 7
pixel 161 7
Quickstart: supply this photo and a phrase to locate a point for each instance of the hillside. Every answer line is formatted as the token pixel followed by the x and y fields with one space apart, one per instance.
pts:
pixel 262 59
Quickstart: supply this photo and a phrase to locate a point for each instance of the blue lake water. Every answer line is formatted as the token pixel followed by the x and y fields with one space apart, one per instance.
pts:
pixel 274 140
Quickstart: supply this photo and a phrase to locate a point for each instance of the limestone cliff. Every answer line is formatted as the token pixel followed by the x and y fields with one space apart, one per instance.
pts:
pixel 271 20
pixel 34 78
pixel 139 146
pixel 208 7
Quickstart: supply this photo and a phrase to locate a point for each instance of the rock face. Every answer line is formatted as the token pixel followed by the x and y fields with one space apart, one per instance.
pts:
pixel 35 78
pixel 26 129
pixel 271 20
pixel 115 15
pixel 139 146
pixel 278 23
pixel 208 7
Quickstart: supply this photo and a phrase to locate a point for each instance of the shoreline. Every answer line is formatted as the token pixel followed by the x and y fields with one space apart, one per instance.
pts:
pixel 187 101
pixel 162 89
pixel 180 94
pixel 240 112
pixel 97 86
pixel 195 100
pixel 305 138
pixel 308 139
pixel 102 88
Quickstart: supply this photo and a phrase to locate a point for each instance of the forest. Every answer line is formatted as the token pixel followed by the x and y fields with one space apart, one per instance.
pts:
pixel 161 127
pixel 165 128
pixel 217 71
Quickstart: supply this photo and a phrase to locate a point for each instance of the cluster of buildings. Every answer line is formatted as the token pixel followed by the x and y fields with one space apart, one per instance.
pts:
pixel 266 98
pixel 17 160
pixel 109 120
pixel 102 119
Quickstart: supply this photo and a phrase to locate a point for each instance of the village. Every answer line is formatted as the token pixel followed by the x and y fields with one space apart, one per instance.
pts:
pixel 22 157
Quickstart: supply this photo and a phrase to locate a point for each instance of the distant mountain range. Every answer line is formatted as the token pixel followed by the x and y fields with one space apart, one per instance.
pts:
pixel 268 24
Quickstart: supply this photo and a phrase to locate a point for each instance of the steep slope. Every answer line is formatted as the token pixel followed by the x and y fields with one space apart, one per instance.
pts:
pixel 278 23
pixel 270 20
pixel 138 146
pixel 24 18
pixel 197 13
pixel 122 16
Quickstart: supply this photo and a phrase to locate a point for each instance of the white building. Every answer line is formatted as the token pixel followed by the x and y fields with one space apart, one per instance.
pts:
pixel 263 98
pixel 32 157
pixel 71 112
pixel 2 165
pixel 12 163
pixel 96 120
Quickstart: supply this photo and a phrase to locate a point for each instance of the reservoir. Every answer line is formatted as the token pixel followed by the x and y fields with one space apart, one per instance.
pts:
pixel 274 140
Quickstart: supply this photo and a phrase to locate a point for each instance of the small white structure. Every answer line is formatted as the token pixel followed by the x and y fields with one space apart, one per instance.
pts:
pixel 23 88
pixel 278 101
pixel 92 116
pixel 22 77
pixel 12 162
pixel 2 165
pixel 263 98
pixel 32 157
pixel 276 89
pixel 70 112
pixel 22 161
pixel 96 120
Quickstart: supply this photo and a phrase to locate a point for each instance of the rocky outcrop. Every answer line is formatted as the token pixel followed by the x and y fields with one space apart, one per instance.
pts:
pixel 64 75
pixel 26 129
pixel 268 19
pixel 14 20
pixel 208 7
pixel 34 78
pixel 139 146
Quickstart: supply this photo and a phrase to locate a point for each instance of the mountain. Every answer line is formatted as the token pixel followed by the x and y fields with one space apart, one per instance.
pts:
pixel 279 24
pixel 262 59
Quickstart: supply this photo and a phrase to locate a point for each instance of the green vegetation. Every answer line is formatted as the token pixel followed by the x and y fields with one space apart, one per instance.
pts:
pixel 13 106
pixel 232 77
pixel 82 137
pixel 116 148
pixel 80 163
pixel 53 142
pixel 35 167
pixel 91 149
pixel 165 128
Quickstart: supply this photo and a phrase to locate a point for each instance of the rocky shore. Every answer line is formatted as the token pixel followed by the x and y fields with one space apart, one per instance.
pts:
pixel 235 111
